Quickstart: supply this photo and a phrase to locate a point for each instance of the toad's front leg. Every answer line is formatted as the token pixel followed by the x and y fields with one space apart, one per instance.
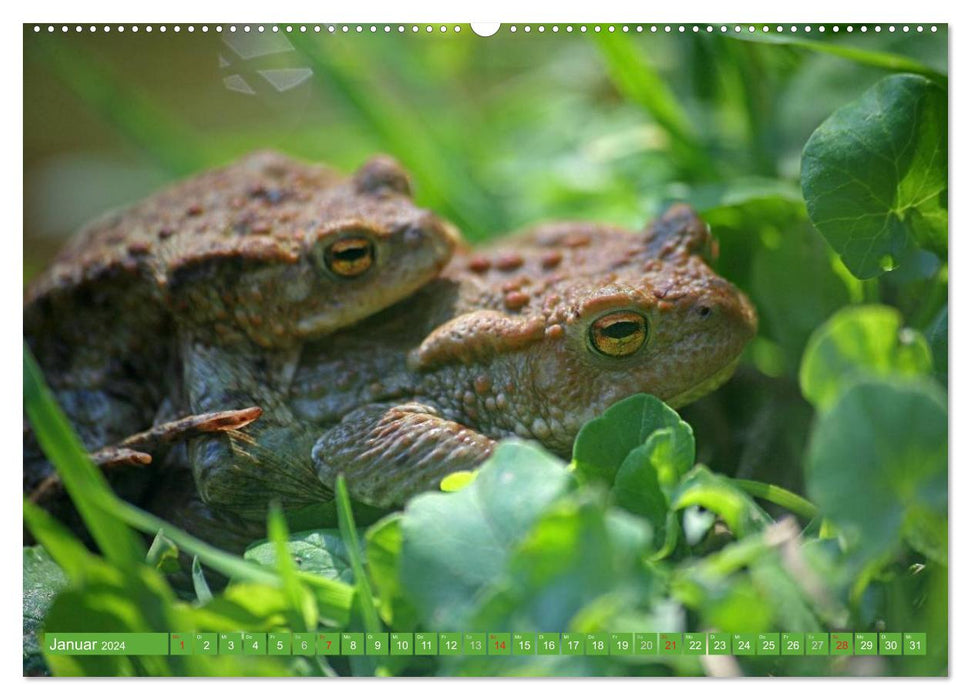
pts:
pixel 390 452
pixel 242 471
pixel 138 449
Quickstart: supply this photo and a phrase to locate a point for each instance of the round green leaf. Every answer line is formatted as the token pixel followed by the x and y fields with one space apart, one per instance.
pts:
pixel 860 340
pixel 453 544
pixel 874 174
pixel 603 443
pixel 320 552
pixel 877 466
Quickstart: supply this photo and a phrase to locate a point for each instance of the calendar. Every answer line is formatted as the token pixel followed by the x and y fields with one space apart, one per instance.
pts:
pixel 391 348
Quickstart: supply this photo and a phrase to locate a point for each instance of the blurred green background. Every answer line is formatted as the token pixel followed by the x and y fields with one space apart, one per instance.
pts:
pixel 498 131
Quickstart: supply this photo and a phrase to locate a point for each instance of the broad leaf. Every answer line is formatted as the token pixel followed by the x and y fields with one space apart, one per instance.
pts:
pixel 455 543
pixel 320 552
pixel 860 340
pixel 604 443
pixel 877 466
pixel 795 289
pixel 575 553
pixel 874 175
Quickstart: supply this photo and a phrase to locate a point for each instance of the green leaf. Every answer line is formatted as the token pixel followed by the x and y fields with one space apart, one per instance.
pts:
pixel 937 337
pixel 737 606
pixel 719 494
pixel 43 580
pixel 456 481
pixel 454 543
pixel 301 602
pixel 114 600
pixel 877 465
pixel 163 554
pixel 604 443
pixel 320 552
pixel 245 606
pixel 649 473
pixel 637 489
pixel 856 341
pixel 874 175
pixel 575 553
pixel 926 531
pixel 62 546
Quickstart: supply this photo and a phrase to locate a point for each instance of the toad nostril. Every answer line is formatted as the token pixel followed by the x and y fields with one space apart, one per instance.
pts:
pixel 414 236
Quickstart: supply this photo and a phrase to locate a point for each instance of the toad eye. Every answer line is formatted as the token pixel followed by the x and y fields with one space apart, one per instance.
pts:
pixel 350 256
pixel 619 334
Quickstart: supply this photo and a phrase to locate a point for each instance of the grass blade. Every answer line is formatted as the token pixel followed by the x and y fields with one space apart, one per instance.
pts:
pixel 109 518
pixel 300 601
pixel 65 549
pixel 638 81
pixel 83 481
pixel 876 59
pixel 334 598
pixel 345 520
pixel 365 597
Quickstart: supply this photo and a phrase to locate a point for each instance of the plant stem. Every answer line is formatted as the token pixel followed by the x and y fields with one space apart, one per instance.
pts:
pixel 780 496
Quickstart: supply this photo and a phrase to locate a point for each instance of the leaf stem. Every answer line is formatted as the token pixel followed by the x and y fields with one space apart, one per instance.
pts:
pixel 780 496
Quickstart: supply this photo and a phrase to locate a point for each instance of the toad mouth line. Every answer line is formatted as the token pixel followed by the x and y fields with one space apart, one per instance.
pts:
pixel 701 388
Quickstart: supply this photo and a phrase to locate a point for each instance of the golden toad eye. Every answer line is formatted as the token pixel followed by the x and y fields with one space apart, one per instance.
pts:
pixel 619 334
pixel 350 257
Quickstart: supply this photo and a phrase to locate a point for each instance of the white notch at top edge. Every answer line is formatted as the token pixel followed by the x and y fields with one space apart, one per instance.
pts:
pixel 485 28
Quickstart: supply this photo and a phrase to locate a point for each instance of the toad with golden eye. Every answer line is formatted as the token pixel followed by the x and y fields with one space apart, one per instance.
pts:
pixel 186 312
pixel 530 338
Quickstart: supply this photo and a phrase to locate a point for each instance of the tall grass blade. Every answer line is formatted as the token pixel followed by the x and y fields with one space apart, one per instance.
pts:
pixel 83 481
pixel 638 81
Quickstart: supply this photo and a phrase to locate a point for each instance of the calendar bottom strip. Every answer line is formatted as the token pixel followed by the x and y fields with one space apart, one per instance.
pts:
pixel 488 644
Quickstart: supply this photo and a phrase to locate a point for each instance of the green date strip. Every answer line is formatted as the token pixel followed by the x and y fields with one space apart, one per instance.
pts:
pixel 283 643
